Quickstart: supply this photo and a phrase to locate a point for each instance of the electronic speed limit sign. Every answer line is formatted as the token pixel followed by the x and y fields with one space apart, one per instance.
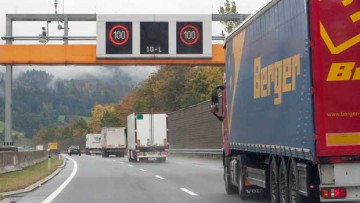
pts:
pixel 153 36
pixel 189 38
pixel 118 37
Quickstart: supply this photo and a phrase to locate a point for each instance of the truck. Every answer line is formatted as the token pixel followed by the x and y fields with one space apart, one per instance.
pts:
pixel 93 144
pixel 113 141
pixel 290 103
pixel 147 136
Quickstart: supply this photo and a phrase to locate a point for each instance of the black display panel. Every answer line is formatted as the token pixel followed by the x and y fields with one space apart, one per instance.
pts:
pixel 189 38
pixel 154 38
pixel 118 37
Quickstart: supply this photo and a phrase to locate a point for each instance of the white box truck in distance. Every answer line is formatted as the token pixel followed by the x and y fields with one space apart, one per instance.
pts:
pixel 93 144
pixel 147 136
pixel 113 141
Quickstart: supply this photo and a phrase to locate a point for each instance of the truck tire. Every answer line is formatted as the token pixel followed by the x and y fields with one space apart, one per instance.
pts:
pixel 274 181
pixel 283 182
pixel 241 178
pixel 294 196
pixel 229 188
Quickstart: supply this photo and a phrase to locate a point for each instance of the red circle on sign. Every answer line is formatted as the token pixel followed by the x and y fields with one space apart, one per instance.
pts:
pixel 193 28
pixel 123 41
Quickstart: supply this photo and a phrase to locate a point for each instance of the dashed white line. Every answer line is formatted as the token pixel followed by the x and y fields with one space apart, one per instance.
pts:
pixel 121 162
pixel 143 170
pixel 63 185
pixel 189 192
pixel 161 178
pixel 130 165
pixel 113 160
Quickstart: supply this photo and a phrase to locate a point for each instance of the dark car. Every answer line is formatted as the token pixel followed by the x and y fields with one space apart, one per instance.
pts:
pixel 74 150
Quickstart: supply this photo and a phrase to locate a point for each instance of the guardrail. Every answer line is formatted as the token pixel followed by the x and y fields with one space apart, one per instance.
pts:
pixel 197 151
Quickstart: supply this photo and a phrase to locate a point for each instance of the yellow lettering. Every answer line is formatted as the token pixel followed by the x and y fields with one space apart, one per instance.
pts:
pixel 286 74
pixel 356 74
pixel 264 82
pixel 270 77
pixel 278 82
pixel 295 70
pixel 340 71
pixel 257 66
pixel 277 78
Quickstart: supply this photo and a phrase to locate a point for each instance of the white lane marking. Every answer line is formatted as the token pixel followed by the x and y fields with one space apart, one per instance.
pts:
pixel 121 162
pixel 143 170
pixel 63 185
pixel 131 165
pixel 189 192
pixel 161 178
pixel 113 160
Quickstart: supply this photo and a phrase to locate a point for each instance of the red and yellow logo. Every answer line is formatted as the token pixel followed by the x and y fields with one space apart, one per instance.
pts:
pixel 353 19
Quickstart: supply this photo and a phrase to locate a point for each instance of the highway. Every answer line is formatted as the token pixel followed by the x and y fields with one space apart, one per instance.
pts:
pixel 113 179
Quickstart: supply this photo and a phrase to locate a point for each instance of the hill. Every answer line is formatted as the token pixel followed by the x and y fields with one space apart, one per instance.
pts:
pixel 40 99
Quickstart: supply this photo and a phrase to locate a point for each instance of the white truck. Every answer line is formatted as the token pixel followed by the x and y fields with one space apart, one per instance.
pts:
pixel 113 141
pixel 93 144
pixel 147 136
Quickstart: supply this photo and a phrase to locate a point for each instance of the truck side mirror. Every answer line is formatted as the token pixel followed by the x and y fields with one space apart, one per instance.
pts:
pixel 215 101
pixel 214 97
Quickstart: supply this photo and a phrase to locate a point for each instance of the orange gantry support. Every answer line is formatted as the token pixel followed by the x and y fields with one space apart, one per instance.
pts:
pixel 86 55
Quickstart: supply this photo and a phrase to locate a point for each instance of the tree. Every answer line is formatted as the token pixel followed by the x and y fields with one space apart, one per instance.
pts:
pixel 228 8
pixel 110 119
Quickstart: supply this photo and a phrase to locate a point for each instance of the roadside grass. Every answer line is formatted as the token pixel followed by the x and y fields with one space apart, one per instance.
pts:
pixel 21 179
pixel 1 197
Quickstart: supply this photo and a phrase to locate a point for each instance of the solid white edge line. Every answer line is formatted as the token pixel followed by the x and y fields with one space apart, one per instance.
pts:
pixel 159 177
pixel 189 192
pixel 53 195
pixel 143 170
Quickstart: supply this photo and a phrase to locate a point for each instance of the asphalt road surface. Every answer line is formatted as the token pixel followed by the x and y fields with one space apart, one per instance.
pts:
pixel 98 179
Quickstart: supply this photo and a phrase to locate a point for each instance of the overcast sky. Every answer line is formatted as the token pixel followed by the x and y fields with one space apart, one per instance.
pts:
pixel 107 7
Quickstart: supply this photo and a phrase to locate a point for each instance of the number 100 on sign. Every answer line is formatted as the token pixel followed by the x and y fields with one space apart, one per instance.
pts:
pixel 189 38
pixel 118 37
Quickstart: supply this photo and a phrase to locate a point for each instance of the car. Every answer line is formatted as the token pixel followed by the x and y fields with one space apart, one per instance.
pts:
pixel 74 150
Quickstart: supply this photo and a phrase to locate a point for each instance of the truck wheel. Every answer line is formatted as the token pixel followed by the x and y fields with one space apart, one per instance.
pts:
pixel 294 196
pixel 274 184
pixel 283 183
pixel 229 188
pixel 241 178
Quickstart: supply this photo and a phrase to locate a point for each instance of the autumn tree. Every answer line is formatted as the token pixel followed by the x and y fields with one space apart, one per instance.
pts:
pixel 124 108
pixel 110 119
pixel 97 113
pixel 228 8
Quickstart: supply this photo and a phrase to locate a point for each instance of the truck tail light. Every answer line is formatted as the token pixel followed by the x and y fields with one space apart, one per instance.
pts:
pixel 164 153
pixel 333 193
pixel 247 183
pixel 138 143
pixel 139 154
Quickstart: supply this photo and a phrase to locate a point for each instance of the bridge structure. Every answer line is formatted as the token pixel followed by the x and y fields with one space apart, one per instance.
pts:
pixel 87 54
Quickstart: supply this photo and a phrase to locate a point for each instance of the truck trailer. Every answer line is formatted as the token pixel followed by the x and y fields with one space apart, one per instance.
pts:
pixel 93 144
pixel 291 103
pixel 147 136
pixel 113 141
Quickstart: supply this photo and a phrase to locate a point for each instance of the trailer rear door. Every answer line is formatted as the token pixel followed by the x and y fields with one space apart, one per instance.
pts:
pixel 151 129
pixel 335 27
